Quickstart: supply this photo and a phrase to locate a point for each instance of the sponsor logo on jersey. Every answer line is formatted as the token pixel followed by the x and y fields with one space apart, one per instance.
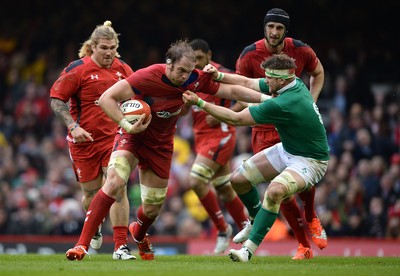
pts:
pixel 167 114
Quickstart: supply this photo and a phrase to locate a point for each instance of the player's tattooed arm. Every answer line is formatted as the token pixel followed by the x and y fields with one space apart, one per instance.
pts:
pixel 61 110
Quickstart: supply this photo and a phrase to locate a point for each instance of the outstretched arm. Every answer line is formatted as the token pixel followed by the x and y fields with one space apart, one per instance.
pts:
pixel 227 78
pixel 232 78
pixel 241 93
pixel 242 118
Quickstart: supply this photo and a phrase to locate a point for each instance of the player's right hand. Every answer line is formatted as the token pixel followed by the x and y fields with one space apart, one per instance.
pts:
pixel 211 70
pixel 140 125
pixel 79 135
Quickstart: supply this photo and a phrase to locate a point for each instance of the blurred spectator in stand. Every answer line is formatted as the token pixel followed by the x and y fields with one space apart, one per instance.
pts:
pixel 369 180
pixel 363 145
pixel 393 229
pixel 166 225
pixel 4 221
pixel 377 220
pixel 386 190
pixel 338 131
pixel 190 228
pixel 394 170
pixel 340 97
pixel 174 214
pixel 354 225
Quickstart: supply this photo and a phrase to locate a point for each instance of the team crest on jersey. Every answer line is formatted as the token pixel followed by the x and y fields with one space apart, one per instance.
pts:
pixel 119 75
pixel 167 114
pixel 123 142
pixel 79 173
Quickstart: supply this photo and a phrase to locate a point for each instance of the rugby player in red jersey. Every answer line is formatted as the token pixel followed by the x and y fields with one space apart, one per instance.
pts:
pixel 90 131
pixel 149 144
pixel 215 143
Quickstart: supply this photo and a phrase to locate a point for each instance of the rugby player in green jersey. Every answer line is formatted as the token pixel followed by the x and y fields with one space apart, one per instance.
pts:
pixel 292 166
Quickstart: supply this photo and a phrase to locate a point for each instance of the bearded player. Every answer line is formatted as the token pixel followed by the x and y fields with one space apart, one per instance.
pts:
pixel 276 26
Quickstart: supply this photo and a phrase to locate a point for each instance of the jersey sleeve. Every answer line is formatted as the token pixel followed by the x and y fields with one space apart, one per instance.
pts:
pixel 242 65
pixel 263 86
pixel 66 85
pixel 311 60
pixel 266 113
pixel 207 84
pixel 136 78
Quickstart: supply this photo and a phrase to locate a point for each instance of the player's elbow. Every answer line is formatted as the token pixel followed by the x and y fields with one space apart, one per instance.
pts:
pixel 102 100
pixel 236 120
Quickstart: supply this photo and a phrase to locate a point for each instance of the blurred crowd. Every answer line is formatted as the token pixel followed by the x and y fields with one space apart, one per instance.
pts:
pixel 358 197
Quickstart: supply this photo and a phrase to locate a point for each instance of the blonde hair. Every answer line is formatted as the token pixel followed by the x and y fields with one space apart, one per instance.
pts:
pixel 101 31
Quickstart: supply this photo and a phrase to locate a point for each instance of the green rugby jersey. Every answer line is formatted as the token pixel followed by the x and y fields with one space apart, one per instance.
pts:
pixel 297 119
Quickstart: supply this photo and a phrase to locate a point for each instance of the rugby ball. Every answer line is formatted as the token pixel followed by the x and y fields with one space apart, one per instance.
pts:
pixel 133 110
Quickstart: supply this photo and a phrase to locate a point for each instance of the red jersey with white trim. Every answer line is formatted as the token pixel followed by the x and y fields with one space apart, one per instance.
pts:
pixel 83 82
pixel 199 116
pixel 249 61
pixel 165 99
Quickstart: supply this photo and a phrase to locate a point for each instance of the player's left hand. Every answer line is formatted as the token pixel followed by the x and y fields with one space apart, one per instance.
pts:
pixel 188 97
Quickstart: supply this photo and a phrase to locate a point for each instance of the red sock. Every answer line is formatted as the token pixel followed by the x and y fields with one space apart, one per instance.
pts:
pixel 120 236
pixel 97 211
pixel 292 213
pixel 307 197
pixel 143 224
pixel 211 205
pixel 236 210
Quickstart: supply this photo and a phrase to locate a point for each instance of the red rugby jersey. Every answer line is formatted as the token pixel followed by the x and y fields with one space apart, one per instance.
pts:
pixel 249 61
pixel 83 82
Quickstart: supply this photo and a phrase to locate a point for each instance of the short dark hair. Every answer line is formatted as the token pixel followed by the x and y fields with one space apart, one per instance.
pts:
pixel 200 44
pixel 279 61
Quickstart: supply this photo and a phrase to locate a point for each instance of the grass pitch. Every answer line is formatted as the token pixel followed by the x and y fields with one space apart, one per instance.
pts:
pixel 187 265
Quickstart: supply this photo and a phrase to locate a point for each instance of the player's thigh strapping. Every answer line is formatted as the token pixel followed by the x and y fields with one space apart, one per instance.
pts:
pixel 311 170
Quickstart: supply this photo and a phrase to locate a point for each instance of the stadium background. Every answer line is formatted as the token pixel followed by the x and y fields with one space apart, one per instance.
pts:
pixel 358 46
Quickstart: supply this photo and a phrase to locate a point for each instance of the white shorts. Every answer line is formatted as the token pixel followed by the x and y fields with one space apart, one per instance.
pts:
pixel 311 170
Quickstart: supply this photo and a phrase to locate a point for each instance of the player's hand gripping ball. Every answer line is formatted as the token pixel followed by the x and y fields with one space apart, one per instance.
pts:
pixel 133 110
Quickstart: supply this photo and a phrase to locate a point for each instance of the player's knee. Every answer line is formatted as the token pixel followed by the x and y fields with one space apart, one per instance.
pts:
pixel 234 179
pixel 249 170
pixel 269 202
pixel 221 181
pixel 89 194
pixel 200 174
pixel 153 196
pixel 239 183
pixel 288 185
pixel 276 192
pixel 121 167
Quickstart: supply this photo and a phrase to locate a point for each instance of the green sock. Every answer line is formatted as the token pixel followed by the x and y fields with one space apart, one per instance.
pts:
pixel 251 200
pixel 262 223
